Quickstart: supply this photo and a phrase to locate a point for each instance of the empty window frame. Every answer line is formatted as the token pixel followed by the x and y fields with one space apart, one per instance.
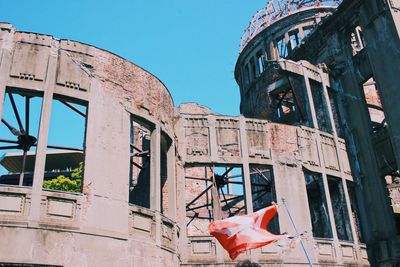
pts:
pixel 165 147
pixel 281 45
pixel 66 145
pixel 263 191
pixel 198 198
pixel 285 106
pixel 357 40
pixel 339 206
pixel 320 106
pixel 373 101
pixel 207 184
pixel 307 30
pixel 295 39
pixel 260 62
pixel 317 203
pixel 139 178
pixel 19 131
pixel 291 103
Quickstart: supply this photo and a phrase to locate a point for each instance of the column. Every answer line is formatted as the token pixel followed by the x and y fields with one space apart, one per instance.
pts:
pixel 38 175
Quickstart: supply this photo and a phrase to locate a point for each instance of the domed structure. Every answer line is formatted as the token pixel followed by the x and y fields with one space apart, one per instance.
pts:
pixel 95 173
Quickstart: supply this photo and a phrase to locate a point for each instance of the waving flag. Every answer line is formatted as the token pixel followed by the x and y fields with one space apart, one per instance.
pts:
pixel 240 233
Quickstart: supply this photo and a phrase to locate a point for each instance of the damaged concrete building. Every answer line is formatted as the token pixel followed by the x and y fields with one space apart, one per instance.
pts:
pixel 318 86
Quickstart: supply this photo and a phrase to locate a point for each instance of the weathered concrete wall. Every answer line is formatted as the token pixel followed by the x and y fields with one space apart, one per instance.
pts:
pixel 98 227
pixel 358 46
pixel 288 151
pixel 63 248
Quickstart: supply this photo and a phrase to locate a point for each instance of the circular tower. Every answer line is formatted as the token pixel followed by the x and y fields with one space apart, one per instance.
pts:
pixel 273 33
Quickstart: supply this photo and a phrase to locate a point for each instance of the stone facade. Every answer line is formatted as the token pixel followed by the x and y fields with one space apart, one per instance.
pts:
pixel 318 128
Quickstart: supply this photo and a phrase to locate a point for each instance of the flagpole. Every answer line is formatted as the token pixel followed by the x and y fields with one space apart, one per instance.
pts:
pixel 297 232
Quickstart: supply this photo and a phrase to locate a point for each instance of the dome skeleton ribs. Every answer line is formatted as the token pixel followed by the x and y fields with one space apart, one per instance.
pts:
pixel 26 141
pixel 276 10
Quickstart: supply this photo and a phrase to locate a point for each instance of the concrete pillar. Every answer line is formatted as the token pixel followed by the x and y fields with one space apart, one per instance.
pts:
pixel 248 197
pixel 5 64
pixel 171 182
pixel 288 44
pixel 180 187
pixel 155 169
pixel 380 22
pixel 213 139
pixel 301 33
pixel 246 168
pixel 373 202
pixel 40 161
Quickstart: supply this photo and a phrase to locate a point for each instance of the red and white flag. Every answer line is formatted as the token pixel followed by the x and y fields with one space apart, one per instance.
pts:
pixel 240 233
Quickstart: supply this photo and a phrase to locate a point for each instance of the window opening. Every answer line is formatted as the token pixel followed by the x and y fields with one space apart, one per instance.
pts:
pixel 139 180
pixel 290 103
pixel 321 107
pixel 165 146
pixel 340 212
pixel 295 40
pixel 261 62
pixel 374 104
pixel 307 30
pixel 321 226
pixel 18 137
pixel 263 191
pixel 66 145
pixel 282 47
pixel 357 40
pixel 205 182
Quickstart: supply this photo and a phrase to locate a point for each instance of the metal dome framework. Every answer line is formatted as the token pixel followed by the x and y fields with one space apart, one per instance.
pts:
pixel 276 10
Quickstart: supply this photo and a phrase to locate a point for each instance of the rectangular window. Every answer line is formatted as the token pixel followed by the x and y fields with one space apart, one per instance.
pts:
pixel 307 30
pixel 66 145
pixel 321 226
pixel 290 102
pixel 205 183
pixel 340 212
pixel 165 147
pixel 374 104
pixel 19 130
pixel 282 47
pixel 263 191
pixel 321 107
pixel 294 38
pixel 260 62
pixel 139 180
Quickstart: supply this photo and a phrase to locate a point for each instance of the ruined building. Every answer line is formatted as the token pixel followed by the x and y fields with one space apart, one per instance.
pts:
pixel 319 127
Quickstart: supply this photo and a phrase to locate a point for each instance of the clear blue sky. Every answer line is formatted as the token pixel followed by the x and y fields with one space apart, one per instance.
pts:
pixel 191 45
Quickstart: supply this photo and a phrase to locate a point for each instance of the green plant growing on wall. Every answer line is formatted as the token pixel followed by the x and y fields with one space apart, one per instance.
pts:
pixel 67 184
